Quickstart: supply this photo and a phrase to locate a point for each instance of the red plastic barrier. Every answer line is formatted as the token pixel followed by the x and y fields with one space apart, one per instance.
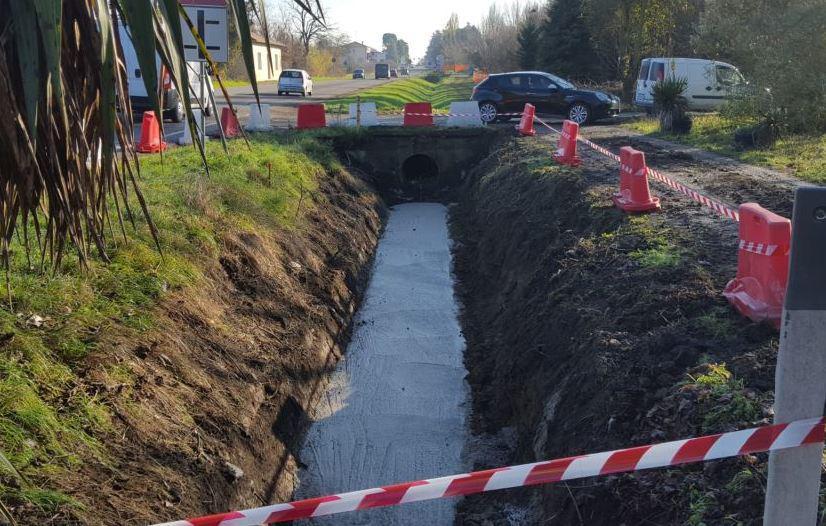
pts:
pixel 566 151
pixel 150 134
pixel 634 195
pixel 418 114
pixel 525 127
pixel 759 289
pixel 229 123
pixel 311 116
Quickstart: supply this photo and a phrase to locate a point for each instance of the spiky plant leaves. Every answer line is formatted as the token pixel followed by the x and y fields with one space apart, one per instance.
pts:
pixel 66 147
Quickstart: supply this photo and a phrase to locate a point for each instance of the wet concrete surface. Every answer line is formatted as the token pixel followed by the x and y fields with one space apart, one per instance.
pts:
pixel 396 406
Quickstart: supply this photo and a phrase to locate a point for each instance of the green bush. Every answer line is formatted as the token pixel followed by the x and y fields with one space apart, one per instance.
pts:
pixel 671 104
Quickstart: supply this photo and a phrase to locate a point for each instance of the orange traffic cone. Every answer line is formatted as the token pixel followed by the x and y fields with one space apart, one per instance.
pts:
pixel 634 195
pixel 229 123
pixel 150 134
pixel 525 127
pixel 566 152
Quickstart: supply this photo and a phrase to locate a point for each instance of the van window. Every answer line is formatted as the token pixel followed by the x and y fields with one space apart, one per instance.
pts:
pixel 644 69
pixel 727 76
pixel 657 71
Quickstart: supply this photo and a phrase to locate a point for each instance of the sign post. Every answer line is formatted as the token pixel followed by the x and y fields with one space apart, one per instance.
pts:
pixel 210 19
pixel 800 379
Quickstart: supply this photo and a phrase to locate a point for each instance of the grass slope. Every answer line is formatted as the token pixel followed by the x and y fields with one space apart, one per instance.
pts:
pixel 394 95
pixel 802 155
pixel 48 419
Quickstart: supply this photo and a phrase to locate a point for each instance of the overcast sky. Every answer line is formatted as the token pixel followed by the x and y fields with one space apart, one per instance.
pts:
pixel 413 21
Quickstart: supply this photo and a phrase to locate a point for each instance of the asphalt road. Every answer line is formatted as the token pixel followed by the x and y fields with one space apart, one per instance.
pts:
pixel 283 108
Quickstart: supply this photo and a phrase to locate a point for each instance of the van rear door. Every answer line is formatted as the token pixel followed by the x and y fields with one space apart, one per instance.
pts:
pixel 642 95
pixel 134 75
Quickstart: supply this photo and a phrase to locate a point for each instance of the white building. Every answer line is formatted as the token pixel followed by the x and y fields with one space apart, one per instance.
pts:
pixel 259 55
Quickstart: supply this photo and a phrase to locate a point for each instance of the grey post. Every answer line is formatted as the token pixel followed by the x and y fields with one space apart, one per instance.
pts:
pixel 800 380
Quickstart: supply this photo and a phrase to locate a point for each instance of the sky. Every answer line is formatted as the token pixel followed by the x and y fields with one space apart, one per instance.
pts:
pixel 413 21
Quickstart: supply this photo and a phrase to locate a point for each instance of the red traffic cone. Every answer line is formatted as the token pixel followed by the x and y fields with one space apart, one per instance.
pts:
pixel 229 123
pixel 634 195
pixel 525 127
pixel 311 116
pixel 759 290
pixel 150 134
pixel 566 151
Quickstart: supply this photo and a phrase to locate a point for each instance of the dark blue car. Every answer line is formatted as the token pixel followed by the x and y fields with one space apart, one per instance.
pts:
pixel 552 95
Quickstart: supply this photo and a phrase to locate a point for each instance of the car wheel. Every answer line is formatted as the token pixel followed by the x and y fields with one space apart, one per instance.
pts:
pixel 580 113
pixel 208 110
pixel 489 112
pixel 178 114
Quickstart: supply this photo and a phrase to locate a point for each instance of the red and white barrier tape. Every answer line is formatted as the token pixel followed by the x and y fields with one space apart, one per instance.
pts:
pixel 758 248
pixel 694 195
pixel 758 440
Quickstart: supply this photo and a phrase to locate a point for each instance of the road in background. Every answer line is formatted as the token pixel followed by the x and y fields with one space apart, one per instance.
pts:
pixel 283 107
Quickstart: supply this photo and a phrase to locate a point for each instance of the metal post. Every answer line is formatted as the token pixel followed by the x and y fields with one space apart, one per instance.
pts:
pixel 800 380
pixel 358 111
pixel 202 76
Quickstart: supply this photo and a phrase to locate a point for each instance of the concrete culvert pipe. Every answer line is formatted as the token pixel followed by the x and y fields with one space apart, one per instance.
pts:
pixel 419 168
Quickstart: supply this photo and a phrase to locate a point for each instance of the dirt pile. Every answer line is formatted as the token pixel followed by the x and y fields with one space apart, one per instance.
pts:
pixel 210 407
pixel 589 330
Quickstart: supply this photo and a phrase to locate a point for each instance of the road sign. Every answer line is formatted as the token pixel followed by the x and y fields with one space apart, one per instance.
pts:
pixel 210 19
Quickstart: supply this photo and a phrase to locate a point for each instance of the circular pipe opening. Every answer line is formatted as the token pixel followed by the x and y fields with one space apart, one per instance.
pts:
pixel 419 167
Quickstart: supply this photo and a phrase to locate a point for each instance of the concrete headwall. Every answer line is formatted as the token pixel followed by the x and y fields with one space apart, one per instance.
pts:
pixel 420 162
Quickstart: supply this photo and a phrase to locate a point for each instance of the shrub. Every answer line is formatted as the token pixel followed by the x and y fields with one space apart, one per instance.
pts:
pixel 671 105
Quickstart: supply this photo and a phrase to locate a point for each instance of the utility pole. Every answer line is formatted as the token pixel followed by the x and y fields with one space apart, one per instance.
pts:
pixel 793 490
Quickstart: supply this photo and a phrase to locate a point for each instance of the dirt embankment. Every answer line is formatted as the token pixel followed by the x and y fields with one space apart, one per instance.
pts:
pixel 210 408
pixel 589 330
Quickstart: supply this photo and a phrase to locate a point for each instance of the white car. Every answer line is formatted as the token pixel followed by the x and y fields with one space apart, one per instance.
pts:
pixel 295 81
pixel 710 83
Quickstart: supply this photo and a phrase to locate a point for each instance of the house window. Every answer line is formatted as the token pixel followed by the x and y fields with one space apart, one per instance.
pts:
pixel 259 60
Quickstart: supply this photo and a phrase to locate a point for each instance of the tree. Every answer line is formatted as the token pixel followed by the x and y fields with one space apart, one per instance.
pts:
pixel 403 52
pixel 529 40
pixel 566 41
pixel 306 26
pixel 68 154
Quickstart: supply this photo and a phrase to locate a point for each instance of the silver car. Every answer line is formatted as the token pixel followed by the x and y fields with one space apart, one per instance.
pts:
pixel 295 81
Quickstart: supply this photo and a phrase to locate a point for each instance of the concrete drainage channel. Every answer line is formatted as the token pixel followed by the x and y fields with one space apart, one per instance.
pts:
pixel 396 406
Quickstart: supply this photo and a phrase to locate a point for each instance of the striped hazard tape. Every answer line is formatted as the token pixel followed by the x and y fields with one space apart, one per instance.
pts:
pixel 694 195
pixel 758 440
pixel 758 248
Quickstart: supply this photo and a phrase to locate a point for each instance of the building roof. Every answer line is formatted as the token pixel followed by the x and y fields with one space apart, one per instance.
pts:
pixel 259 39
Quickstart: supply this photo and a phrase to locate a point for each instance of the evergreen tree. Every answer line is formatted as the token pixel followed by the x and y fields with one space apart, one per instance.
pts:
pixel 529 44
pixel 566 48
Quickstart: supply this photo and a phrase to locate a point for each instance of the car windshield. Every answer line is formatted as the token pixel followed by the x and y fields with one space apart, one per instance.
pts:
pixel 290 74
pixel 562 83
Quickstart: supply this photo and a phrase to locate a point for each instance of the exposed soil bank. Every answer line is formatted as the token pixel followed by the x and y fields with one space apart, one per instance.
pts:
pixel 215 410
pixel 395 409
pixel 589 330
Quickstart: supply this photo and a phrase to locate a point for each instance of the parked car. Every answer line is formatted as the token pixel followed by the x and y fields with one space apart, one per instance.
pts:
pixel 710 83
pixel 171 101
pixel 382 71
pixel 394 73
pixel 295 81
pixel 358 74
pixel 509 92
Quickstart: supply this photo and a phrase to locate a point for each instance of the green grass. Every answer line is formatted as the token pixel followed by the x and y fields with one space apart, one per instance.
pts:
pixel 801 155
pixel 660 251
pixel 725 401
pixel 49 421
pixel 394 95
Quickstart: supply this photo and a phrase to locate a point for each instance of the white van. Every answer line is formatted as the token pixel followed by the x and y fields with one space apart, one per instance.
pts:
pixel 173 107
pixel 710 83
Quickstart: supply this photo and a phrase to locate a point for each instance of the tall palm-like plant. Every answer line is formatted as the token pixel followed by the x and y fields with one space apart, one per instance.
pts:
pixel 67 162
